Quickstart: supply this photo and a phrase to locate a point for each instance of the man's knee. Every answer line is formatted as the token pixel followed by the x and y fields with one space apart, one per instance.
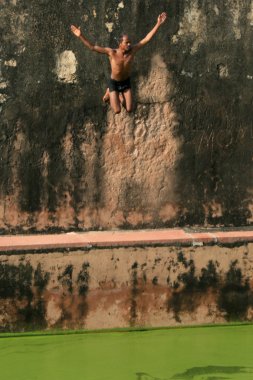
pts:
pixel 117 110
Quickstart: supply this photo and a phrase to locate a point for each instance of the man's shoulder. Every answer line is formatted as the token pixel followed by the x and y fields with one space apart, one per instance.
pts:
pixel 112 51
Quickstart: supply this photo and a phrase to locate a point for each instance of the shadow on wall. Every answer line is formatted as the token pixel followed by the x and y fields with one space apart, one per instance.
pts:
pixel 214 100
pixel 46 130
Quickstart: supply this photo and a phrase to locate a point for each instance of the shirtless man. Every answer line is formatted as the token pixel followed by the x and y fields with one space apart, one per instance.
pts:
pixel 119 89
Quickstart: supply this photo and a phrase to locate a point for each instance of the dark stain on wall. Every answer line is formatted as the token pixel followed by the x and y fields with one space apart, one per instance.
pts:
pixel 214 99
pixel 83 288
pixel 134 294
pixel 188 287
pixel 16 281
pixel 41 278
pixel 65 279
pixel 182 295
pixel 66 282
pixel 209 277
pixel 235 295
pixel 32 298
pixel 36 311
pixel 25 288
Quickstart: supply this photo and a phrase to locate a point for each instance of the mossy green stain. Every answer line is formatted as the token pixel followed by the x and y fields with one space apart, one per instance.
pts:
pixel 209 276
pixel 40 278
pixel 189 278
pixel 134 294
pixel 24 284
pixel 31 179
pixel 235 296
pixel 189 285
pixel 83 279
pixel 66 278
pixel 16 281
pixel 32 316
pixel 181 259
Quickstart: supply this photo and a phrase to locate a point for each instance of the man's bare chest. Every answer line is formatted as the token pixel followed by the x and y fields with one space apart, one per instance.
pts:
pixel 122 60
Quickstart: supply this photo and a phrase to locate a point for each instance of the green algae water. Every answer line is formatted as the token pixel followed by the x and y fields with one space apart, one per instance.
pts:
pixel 207 353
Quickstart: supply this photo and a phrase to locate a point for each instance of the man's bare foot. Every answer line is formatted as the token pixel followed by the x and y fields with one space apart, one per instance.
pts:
pixel 106 96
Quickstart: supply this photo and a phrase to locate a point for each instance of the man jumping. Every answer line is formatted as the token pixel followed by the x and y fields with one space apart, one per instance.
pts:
pixel 119 89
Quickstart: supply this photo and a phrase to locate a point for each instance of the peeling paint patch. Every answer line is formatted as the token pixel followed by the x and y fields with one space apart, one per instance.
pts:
pixel 250 218
pixel 3 85
pixel 222 71
pixel 3 98
pixel 121 5
pixel 236 13
pixel 66 67
pixel 85 18
pixel 216 10
pixel 193 23
pixel 109 26
pixel 250 14
pixel 94 13
pixel 53 312
pixel 250 77
pixel 67 145
pixel 11 63
pixel 187 74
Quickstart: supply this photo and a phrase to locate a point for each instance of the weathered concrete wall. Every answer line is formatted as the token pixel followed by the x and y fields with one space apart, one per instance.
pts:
pixel 162 286
pixel 184 157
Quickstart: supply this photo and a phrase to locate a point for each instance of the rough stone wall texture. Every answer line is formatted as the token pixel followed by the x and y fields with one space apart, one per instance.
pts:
pixel 184 157
pixel 153 286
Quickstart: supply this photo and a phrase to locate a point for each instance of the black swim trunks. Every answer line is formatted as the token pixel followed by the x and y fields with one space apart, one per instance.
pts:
pixel 119 86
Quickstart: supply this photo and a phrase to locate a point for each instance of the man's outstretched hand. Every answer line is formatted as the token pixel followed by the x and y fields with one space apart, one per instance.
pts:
pixel 76 31
pixel 161 18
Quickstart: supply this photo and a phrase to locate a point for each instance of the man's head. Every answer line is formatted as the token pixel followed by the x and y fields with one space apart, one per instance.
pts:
pixel 125 43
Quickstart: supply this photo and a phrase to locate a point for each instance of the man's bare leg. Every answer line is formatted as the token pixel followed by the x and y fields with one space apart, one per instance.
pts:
pixel 128 100
pixel 106 97
pixel 122 99
pixel 115 102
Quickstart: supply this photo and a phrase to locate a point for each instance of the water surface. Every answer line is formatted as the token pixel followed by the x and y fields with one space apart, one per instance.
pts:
pixel 208 353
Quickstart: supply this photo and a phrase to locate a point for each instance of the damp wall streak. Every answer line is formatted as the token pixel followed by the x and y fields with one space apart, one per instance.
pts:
pixel 134 287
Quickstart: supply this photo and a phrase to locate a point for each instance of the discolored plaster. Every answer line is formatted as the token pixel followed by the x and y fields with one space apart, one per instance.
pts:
pixel 250 14
pixel 135 286
pixel 193 26
pixel 66 66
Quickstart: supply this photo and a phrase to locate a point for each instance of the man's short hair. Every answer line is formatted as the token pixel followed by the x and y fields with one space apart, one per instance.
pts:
pixel 122 37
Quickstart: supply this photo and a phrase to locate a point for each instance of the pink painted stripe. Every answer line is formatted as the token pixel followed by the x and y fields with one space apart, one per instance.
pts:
pixel 119 238
pixel 203 237
pixel 234 236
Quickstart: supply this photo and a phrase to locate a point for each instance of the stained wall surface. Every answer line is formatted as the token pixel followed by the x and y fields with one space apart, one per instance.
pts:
pixel 183 157
pixel 126 287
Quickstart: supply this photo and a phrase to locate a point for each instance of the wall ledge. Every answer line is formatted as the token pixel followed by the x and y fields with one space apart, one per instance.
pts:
pixel 119 238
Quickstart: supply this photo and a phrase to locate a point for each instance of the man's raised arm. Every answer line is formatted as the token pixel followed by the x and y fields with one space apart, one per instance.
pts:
pixel 77 32
pixel 160 20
